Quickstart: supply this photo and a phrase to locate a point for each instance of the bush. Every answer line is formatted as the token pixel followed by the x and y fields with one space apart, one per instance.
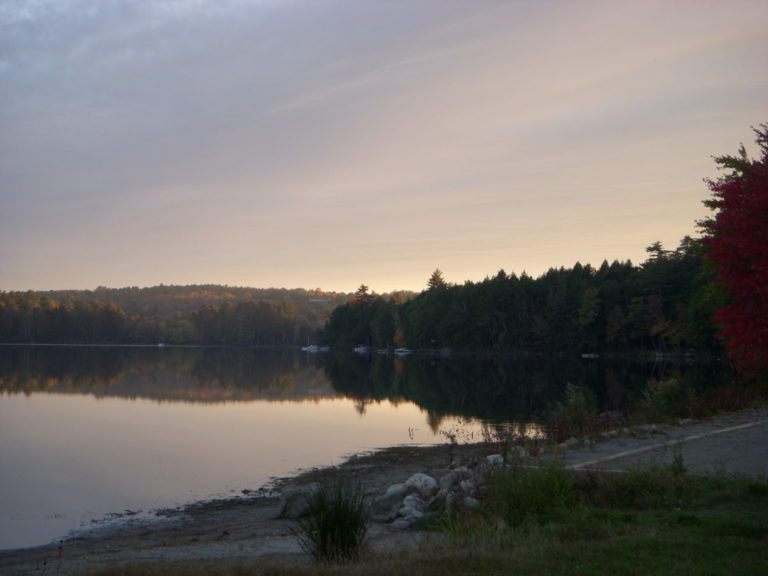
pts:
pixel 577 414
pixel 336 524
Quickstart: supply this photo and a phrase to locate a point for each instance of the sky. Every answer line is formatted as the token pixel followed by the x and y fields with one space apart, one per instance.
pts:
pixel 326 144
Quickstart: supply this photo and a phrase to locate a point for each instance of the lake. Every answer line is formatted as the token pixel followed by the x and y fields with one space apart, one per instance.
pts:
pixel 93 433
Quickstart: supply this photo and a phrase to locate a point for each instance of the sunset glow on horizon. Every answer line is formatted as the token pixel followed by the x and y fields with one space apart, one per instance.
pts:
pixel 328 144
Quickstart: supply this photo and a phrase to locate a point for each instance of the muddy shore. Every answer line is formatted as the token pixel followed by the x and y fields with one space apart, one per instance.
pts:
pixel 232 530
pixel 247 529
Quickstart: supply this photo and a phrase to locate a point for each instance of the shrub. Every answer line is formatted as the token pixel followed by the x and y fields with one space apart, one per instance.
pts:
pixel 577 414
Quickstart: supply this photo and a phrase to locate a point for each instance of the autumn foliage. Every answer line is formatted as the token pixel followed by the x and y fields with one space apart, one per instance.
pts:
pixel 737 241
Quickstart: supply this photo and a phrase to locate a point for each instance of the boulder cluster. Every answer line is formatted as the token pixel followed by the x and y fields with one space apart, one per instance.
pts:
pixel 404 504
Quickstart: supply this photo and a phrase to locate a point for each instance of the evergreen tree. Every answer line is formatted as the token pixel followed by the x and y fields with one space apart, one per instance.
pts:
pixel 436 281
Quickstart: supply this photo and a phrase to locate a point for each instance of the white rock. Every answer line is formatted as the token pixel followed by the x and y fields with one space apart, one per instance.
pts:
pixel 471 503
pixel 495 460
pixel 426 485
pixel 294 500
pixel 386 507
pixel 414 502
pixel 396 488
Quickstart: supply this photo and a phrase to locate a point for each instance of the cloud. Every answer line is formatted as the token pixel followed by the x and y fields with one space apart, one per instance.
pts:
pixel 213 134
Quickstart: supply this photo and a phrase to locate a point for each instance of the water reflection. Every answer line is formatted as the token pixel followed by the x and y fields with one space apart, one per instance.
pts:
pixel 500 390
pixel 167 374
pixel 89 431
pixel 497 390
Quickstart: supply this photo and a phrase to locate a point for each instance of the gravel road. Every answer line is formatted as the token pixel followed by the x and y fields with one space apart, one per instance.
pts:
pixel 733 444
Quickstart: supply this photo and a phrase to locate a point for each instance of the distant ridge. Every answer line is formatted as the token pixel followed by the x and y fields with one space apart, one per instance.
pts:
pixel 168 299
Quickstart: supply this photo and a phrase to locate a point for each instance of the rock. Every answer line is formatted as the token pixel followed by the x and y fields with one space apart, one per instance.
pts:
pixel 570 443
pixel 386 507
pixel 294 500
pixel 518 452
pixel 401 524
pixel 415 503
pixel 412 510
pixel 495 460
pixel 468 485
pixel 401 490
pixel 470 503
pixel 449 480
pixel 426 485
pixel 411 515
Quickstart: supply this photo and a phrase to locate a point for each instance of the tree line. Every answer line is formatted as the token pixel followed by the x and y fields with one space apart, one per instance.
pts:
pixel 172 314
pixel 663 305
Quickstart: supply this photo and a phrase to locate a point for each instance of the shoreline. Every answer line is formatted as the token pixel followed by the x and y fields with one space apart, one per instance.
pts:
pixel 245 529
pixel 239 529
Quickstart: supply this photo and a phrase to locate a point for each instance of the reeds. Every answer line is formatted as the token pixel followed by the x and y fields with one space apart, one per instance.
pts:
pixel 336 524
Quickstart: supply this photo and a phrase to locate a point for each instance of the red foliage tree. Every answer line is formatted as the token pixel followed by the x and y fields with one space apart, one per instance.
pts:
pixel 737 242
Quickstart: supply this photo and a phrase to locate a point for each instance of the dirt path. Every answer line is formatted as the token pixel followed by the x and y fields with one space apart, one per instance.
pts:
pixel 732 444
pixel 246 529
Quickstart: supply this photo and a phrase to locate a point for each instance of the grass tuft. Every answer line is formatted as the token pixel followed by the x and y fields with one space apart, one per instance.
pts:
pixel 336 524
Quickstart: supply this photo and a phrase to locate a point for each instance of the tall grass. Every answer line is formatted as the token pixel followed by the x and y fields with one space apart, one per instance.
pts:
pixel 519 494
pixel 336 524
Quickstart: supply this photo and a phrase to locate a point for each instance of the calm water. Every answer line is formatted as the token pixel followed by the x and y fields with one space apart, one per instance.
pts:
pixel 86 433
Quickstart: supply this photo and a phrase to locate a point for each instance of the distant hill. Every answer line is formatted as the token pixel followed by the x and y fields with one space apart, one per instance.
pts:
pixel 167 300
pixel 196 314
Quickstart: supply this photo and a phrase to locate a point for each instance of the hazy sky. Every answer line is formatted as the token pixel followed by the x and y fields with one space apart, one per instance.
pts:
pixel 332 143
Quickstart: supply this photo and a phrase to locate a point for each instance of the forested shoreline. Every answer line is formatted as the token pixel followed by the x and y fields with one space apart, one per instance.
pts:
pixel 664 305
pixel 198 314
